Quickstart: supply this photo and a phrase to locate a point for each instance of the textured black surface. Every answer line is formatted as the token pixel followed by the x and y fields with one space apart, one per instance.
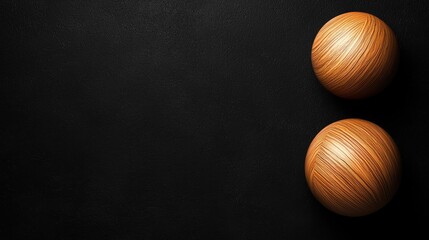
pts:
pixel 190 119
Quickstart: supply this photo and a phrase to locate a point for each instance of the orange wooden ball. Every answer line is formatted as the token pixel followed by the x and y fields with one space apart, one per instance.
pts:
pixel 353 167
pixel 354 55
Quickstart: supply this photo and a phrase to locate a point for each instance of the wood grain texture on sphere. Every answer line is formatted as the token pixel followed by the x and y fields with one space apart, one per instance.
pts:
pixel 355 55
pixel 353 167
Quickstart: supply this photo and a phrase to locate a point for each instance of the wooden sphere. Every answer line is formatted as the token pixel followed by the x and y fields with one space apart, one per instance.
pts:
pixel 353 167
pixel 354 55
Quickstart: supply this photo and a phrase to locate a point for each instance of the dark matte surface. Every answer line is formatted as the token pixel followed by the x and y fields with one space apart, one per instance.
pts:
pixel 190 119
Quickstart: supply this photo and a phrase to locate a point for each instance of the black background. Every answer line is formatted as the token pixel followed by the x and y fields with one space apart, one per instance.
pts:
pixel 182 119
